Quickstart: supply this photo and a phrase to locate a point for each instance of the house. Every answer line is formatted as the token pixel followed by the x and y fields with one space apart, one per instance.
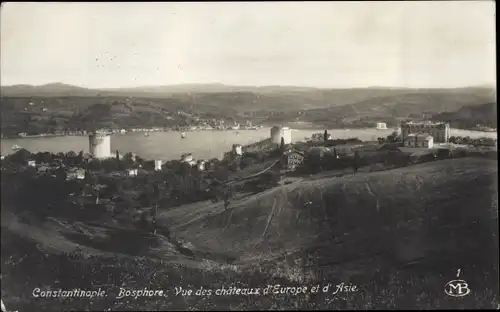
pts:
pixel 188 158
pixel 419 140
pixel 201 165
pixel 75 174
pixel 291 159
pixel 132 172
pixel 43 169
pixel 31 163
pixel 237 149
pixel 87 157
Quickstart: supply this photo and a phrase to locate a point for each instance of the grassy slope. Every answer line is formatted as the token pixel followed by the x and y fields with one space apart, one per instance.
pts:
pixel 436 216
pixel 379 203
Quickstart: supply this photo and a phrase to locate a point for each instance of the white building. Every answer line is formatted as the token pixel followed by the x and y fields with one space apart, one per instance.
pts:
pixel 281 132
pixel 419 140
pixel 237 149
pixel 75 174
pixel 100 145
pixel 320 136
pixel 132 172
pixel 201 165
pixel 440 131
pixel 158 164
pixel 188 158
pixel 31 163
pixel 381 126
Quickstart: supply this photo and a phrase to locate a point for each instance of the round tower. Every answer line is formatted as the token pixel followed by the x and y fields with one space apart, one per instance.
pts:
pixel 100 145
pixel 281 132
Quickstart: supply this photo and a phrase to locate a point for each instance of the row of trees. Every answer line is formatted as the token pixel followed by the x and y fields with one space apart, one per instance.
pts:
pixel 469 141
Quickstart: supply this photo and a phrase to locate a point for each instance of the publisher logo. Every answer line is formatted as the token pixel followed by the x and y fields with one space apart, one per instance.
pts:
pixel 457 288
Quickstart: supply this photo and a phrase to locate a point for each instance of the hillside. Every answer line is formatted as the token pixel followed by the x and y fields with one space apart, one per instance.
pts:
pixel 278 222
pixel 470 116
pixel 47 90
pixel 54 107
pixel 392 108
pixel 399 235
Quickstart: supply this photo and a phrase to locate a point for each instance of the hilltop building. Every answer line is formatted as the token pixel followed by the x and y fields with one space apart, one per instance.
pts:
pixel 100 145
pixel 281 132
pixel 440 131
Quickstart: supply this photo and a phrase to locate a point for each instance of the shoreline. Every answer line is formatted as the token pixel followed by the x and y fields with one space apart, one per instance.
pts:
pixel 306 128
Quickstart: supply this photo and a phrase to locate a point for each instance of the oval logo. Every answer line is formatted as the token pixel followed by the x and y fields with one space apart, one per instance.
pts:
pixel 457 288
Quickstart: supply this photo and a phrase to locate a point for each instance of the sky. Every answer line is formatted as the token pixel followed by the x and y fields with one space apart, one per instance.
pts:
pixel 319 44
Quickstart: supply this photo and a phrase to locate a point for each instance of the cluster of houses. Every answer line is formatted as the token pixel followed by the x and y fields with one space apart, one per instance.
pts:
pixel 72 173
pixel 189 159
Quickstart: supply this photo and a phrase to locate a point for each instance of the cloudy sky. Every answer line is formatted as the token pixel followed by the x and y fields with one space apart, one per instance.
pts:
pixel 322 44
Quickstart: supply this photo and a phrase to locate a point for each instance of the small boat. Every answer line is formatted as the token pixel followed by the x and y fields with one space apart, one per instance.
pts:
pixel 16 147
pixel 183 135
pixel 146 134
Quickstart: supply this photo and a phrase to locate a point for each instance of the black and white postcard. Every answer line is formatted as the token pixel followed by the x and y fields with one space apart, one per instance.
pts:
pixel 160 156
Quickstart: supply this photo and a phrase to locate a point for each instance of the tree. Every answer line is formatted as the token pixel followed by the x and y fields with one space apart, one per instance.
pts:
pixel 282 144
pixel 392 137
pixel 325 136
pixel 20 157
pixel 355 163
pixel 247 162
pixel 94 164
pixel 61 173
pixel 79 158
pixel 228 195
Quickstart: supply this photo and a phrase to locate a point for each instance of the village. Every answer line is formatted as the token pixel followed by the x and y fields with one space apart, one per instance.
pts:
pixel 244 169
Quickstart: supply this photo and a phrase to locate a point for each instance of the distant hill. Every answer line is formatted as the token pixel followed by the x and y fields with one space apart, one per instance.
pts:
pixel 47 90
pixel 69 106
pixel 417 103
pixel 470 116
